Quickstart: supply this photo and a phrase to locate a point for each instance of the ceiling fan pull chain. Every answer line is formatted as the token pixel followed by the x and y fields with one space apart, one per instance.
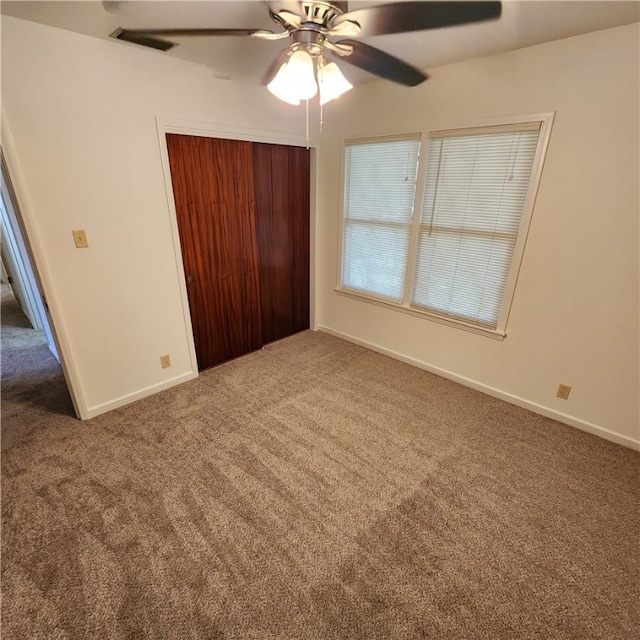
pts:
pixel 321 61
pixel 307 123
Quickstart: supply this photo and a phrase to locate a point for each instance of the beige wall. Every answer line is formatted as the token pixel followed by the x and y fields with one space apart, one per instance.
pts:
pixel 79 121
pixel 574 317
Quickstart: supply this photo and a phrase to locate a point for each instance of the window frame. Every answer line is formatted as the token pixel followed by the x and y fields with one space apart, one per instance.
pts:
pixel 416 136
pixel 499 125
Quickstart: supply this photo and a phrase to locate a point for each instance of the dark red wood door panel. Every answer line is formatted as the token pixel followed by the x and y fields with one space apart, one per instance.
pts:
pixel 214 194
pixel 281 181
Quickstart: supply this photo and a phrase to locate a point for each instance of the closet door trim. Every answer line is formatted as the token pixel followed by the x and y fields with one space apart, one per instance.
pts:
pixel 213 130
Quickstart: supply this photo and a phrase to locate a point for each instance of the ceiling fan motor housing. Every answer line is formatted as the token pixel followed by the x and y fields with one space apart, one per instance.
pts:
pixel 310 40
pixel 318 13
pixel 309 32
pixel 323 12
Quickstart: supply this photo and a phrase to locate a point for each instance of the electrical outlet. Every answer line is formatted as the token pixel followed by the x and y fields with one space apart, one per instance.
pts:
pixel 80 238
pixel 165 361
pixel 563 391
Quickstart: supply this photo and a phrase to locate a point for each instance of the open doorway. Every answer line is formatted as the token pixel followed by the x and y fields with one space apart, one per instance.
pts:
pixel 17 264
pixel 31 367
pixel 31 376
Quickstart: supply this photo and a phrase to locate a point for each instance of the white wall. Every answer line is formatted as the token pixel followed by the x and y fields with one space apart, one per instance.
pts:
pixel 79 122
pixel 574 317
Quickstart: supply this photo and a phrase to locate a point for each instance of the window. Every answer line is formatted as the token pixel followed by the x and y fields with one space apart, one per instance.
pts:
pixel 379 194
pixel 457 260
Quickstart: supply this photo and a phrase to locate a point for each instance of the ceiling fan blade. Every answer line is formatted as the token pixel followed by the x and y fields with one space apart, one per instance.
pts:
pixel 268 35
pixel 148 37
pixel 275 65
pixel 291 19
pixel 193 32
pixel 382 64
pixel 135 37
pixel 290 6
pixel 416 16
pixel 338 48
pixel 345 28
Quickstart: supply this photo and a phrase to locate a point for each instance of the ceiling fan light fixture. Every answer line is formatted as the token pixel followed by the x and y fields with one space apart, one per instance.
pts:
pixel 300 74
pixel 332 82
pixel 282 88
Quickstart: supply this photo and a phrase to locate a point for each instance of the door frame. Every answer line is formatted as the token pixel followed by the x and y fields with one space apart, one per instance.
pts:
pixel 21 282
pixel 213 130
pixel 33 248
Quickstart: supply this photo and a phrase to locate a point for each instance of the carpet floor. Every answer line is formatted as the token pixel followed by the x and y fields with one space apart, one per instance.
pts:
pixel 310 490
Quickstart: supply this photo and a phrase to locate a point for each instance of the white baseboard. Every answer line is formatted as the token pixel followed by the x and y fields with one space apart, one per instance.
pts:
pixel 96 410
pixel 572 421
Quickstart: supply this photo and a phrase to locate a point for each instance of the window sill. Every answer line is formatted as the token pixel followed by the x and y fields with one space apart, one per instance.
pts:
pixel 496 334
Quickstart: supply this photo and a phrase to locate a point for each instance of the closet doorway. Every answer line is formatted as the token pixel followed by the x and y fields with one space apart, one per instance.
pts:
pixel 242 210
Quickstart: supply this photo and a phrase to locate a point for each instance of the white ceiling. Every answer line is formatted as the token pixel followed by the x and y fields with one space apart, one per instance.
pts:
pixel 523 23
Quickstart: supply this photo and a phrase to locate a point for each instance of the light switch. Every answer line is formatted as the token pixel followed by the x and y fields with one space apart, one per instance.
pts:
pixel 80 238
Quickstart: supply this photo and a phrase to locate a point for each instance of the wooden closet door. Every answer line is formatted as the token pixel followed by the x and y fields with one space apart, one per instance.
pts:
pixel 281 181
pixel 214 196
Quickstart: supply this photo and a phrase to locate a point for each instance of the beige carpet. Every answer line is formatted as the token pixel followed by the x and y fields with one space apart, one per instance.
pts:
pixel 313 489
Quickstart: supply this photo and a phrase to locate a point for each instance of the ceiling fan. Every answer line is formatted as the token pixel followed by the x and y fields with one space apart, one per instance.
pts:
pixel 321 31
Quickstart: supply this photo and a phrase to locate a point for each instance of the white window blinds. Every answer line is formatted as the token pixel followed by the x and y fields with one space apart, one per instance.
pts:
pixel 457 259
pixel 379 194
pixel 474 194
